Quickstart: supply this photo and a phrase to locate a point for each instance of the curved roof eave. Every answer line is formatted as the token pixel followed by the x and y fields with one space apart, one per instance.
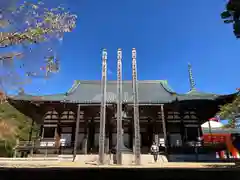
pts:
pixel 199 93
pixel 74 87
pixel 165 85
pixel 26 97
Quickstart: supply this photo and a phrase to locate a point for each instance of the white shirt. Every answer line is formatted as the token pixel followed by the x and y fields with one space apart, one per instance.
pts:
pixel 154 148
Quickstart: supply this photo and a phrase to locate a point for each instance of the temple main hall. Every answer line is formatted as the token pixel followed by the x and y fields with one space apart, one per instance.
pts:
pixel 72 122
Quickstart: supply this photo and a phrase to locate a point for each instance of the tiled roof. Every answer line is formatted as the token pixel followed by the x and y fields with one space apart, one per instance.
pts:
pixel 149 91
pixel 54 97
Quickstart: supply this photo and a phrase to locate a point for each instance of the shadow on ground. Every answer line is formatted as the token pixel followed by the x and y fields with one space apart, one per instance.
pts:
pixel 119 173
pixel 236 166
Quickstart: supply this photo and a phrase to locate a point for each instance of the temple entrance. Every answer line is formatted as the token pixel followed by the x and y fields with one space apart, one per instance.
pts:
pixel 150 131
pixel 192 133
pixel 145 141
pixel 91 136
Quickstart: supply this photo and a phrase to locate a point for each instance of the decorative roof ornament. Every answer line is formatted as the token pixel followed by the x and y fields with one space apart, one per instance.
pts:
pixel 21 91
pixel 191 79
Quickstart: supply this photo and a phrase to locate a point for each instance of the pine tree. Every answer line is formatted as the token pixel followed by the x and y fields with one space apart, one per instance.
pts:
pixel 232 16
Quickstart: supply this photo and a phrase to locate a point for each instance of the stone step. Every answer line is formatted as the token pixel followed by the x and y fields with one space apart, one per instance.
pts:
pixel 148 159
pixel 65 157
pixel 44 156
pixel 87 158
pixel 127 159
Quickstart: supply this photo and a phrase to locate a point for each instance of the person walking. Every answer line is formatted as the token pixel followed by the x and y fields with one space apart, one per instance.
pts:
pixel 155 151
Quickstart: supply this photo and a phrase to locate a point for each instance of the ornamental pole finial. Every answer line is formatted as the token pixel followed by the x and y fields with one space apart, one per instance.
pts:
pixel 191 79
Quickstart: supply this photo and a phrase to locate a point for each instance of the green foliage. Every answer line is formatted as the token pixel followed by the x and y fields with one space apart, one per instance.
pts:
pixel 232 15
pixel 20 125
pixel 229 111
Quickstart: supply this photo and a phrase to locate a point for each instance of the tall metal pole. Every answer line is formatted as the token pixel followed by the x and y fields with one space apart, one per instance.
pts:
pixel 210 130
pixel 164 127
pixel 76 133
pixel 136 109
pixel 119 106
pixel 101 152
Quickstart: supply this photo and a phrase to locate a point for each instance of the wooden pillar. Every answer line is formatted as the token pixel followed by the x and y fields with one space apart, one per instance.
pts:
pixel 42 131
pixel 201 116
pixel 91 135
pixel 151 132
pixel 15 149
pixel 210 131
pixel 182 127
pixel 31 131
pixel 155 132
pixel 57 135
pixel 76 132
pixel 164 127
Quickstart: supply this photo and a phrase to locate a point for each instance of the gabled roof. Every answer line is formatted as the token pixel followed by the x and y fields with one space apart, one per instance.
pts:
pixel 156 91
pixel 149 91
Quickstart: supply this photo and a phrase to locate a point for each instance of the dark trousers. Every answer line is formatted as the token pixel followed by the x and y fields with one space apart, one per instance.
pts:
pixel 155 156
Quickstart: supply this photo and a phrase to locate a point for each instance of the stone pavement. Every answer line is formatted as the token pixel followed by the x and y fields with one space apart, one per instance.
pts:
pixel 91 161
pixel 47 164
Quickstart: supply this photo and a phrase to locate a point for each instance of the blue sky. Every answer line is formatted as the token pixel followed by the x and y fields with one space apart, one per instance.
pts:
pixel 167 35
